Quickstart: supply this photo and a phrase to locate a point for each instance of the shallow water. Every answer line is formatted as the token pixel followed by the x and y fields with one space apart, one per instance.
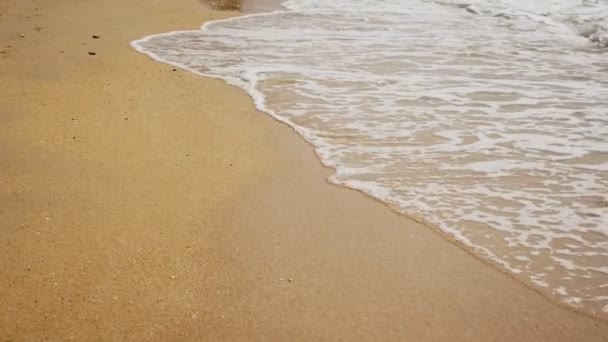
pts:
pixel 488 119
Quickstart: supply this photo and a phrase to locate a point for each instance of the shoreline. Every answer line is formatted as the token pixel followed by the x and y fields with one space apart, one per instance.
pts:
pixel 252 9
pixel 209 245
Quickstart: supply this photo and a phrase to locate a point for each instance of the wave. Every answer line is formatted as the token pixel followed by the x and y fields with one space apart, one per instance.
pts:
pixel 492 128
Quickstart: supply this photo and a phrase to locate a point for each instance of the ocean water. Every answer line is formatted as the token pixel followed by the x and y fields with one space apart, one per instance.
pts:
pixel 486 119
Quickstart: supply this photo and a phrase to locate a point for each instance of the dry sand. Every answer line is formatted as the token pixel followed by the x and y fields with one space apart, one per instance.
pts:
pixel 142 203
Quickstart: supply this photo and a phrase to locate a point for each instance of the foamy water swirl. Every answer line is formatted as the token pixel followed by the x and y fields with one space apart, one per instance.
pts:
pixel 492 127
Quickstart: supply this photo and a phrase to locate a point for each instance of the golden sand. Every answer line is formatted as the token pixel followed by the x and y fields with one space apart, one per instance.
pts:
pixel 142 203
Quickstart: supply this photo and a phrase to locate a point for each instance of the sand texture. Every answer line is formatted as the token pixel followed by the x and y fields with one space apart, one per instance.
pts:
pixel 142 203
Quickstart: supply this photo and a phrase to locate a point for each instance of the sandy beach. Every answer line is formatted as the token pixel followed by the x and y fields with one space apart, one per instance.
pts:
pixel 141 202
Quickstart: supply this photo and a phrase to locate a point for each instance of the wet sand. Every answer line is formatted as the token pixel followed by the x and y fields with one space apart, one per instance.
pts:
pixel 243 6
pixel 142 203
